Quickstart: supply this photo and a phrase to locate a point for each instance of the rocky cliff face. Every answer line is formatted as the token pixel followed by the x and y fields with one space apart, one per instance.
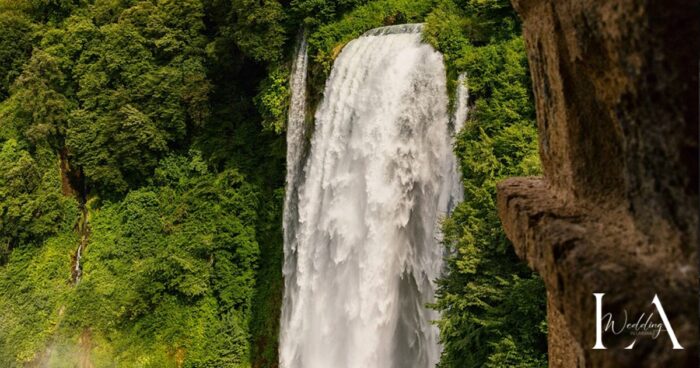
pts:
pixel 616 88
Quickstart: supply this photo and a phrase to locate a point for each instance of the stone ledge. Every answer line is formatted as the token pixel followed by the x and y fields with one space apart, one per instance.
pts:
pixel 579 251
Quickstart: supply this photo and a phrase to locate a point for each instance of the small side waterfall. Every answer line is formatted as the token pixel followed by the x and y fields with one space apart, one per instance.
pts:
pixel 84 234
pixel 461 107
pixel 361 221
pixel 295 137
pixel 459 116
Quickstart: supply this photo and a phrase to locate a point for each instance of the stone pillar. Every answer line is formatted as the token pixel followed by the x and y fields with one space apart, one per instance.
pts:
pixel 616 212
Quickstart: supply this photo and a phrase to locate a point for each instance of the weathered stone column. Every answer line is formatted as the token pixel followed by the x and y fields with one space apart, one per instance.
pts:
pixel 616 212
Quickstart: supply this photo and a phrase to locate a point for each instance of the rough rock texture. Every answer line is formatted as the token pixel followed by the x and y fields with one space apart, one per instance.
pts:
pixel 616 90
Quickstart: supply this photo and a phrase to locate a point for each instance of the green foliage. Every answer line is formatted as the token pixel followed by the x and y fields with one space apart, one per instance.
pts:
pixel 270 284
pixel 53 10
pixel 132 111
pixel 116 95
pixel 490 20
pixel 492 305
pixel 445 29
pixel 258 29
pixel 273 100
pixel 317 12
pixel 33 286
pixel 453 23
pixel 16 43
pixel 172 268
pixel 32 207
pixel 169 270
pixel 38 109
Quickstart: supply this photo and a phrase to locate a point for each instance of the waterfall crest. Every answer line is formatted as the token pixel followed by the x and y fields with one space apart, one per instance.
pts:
pixel 362 248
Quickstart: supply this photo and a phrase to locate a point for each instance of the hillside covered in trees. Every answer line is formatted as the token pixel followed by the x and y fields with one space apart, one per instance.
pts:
pixel 142 162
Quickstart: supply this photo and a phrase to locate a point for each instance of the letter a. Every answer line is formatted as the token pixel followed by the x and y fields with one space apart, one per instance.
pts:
pixel 667 324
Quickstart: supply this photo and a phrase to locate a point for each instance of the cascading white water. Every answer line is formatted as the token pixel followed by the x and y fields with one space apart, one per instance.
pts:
pixel 362 248
pixel 461 99
pixel 295 137
pixel 459 116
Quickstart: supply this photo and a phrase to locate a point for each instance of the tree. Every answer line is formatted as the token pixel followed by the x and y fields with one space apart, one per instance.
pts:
pixel 16 43
pixel 39 109
pixel 257 28
pixel 32 207
pixel 117 96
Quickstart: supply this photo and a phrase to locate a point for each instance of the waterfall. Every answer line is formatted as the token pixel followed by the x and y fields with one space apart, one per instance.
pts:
pixel 459 116
pixel 361 251
pixel 461 107
pixel 295 137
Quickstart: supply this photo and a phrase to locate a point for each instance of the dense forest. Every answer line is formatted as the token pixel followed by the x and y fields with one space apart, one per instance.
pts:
pixel 142 177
